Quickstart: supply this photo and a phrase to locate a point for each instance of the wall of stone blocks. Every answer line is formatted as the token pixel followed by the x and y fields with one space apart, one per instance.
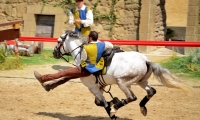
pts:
pixel 137 19
pixel 126 26
pixel 192 28
pixel 152 22
pixel 177 11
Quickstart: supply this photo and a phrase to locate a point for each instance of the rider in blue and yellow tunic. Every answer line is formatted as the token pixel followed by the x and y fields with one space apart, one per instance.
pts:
pixel 94 62
pixel 89 65
pixel 82 17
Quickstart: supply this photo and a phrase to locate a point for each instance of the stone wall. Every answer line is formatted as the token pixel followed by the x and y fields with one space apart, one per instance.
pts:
pixel 192 29
pixel 152 23
pixel 137 19
pixel 177 11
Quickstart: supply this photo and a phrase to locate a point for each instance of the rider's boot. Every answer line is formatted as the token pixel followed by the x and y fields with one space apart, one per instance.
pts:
pixel 39 78
pixel 54 83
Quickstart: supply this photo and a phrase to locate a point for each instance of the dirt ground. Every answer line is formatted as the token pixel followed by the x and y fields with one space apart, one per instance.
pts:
pixel 23 98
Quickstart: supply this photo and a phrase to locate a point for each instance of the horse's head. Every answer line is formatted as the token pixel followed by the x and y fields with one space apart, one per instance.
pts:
pixel 61 47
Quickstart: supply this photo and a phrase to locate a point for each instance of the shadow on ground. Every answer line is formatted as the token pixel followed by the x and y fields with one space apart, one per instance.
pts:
pixel 16 77
pixel 59 67
pixel 61 116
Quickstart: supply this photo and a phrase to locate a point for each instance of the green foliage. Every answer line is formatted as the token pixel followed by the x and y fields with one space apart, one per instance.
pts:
pixel 112 17
pixel 46 57
pixel 189 65
pixel 170 33
pixel 13 62
pixel 9 62
pixel 66 4
pixel 44 3
pixel 2 54
pixel 194 60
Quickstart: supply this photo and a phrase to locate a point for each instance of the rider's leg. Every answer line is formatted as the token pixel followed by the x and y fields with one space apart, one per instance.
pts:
pixel 71 72
pixel 68 74
pixel 54 83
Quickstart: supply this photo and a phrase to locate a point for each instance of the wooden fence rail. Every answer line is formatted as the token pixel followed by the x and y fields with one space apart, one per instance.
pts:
pixel 11 23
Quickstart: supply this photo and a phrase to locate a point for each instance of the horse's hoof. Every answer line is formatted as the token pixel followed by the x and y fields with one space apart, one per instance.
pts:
pixel 143 110
pixel 112 111
pixel 113 117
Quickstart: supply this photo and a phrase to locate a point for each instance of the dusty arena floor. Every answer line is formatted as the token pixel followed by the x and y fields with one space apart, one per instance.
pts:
pixel 23 98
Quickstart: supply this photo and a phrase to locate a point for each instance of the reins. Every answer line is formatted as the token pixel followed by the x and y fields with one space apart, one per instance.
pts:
pixel 102 83
pixel 81 48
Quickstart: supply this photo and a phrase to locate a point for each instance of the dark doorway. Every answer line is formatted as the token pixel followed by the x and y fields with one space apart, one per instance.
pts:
pixel 179 35
pixel 44 25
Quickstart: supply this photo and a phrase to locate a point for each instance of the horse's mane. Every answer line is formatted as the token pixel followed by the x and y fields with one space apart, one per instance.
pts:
pixel 75 36
pixel 72 33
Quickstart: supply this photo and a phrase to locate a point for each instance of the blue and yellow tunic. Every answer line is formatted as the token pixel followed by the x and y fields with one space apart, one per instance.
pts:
pixel 94 60
pixel 82 15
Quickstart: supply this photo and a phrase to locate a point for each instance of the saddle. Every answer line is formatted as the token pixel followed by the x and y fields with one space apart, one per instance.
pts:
pixel 107 55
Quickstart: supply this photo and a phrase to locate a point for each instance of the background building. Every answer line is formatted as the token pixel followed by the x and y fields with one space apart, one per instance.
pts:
pixel 136 19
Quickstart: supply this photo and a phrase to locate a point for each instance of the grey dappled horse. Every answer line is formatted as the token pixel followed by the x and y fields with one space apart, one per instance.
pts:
pixel 125 69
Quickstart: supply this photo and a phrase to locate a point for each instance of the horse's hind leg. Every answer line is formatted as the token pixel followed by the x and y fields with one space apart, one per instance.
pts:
pixel 150 92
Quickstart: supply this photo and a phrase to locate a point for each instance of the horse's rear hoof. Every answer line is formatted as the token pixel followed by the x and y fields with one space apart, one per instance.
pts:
pixel 143 110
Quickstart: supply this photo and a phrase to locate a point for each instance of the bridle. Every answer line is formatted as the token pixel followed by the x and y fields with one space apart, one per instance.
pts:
pixel 68 53
pixel 61 46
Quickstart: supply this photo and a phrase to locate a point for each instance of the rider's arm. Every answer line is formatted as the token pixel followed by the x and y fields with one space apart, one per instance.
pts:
pixel 71 18
pixel 89 19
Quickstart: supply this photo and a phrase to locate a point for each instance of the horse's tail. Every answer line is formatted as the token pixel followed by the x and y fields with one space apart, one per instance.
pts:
pixel 164 76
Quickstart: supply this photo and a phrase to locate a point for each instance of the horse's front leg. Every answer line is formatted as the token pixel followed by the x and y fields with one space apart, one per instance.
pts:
pixel 130 96
pixel 90 83
pixel 99 98
pixel 100 101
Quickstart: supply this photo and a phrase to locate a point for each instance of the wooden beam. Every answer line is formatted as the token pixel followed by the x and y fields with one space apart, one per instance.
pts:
pixel 11 23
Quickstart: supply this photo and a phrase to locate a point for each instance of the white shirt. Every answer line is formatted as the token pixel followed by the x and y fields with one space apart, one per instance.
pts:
pixel 89 17
pixel 107 44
